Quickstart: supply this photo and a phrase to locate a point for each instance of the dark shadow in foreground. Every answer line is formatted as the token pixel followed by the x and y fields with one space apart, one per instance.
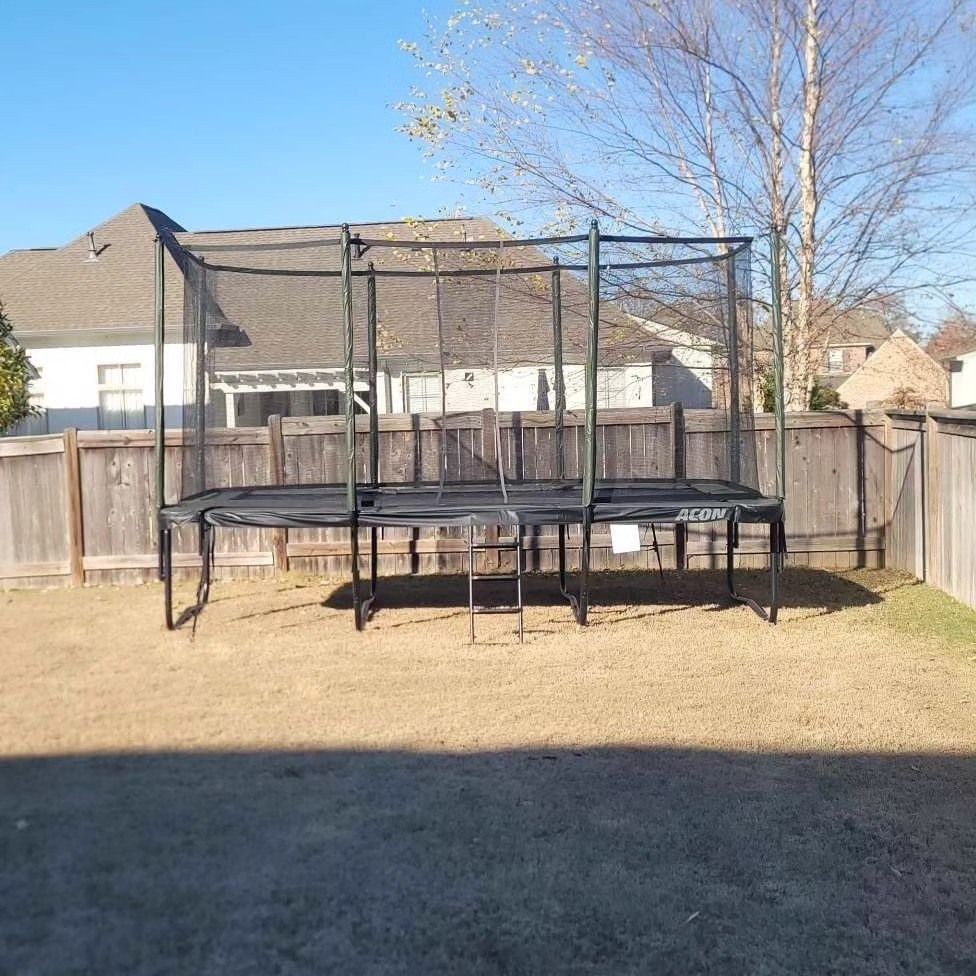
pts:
pixel 555 861
pixel 801 588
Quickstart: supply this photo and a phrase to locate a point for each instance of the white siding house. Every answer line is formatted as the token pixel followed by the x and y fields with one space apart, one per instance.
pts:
pixel 962 380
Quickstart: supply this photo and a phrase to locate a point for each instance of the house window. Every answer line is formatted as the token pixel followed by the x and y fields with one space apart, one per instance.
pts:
pixel 611 388
pixel 120 403
pixel 422 393
pixel 835 360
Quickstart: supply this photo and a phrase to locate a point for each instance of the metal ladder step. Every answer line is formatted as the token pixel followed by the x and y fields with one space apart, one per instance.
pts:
pixel 515 545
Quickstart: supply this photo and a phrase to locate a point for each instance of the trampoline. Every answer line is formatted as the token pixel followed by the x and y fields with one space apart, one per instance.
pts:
pixel 666 316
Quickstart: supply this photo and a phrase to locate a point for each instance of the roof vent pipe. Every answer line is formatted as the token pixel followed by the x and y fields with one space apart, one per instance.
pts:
pixel 92 249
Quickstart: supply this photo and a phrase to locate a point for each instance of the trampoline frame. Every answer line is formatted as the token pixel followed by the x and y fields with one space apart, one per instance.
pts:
pixel 577 597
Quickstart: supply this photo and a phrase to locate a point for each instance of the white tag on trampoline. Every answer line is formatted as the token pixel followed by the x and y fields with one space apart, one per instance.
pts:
pixel 624 537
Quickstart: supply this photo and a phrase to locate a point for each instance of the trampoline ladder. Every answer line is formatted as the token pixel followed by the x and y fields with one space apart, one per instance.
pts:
pixel 516 608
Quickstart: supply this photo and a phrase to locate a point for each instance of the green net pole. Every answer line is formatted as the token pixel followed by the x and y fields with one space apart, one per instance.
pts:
pixel 159 325
pixel 779 407
pixel 592 355
pixel 345 267
pixel 200 425
pixel 559 386
pixel 735 400
pixel 374 423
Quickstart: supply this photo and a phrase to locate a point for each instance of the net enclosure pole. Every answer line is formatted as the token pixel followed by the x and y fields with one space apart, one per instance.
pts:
pixel 559 386
pixel 374 432
pixel 592 356
pixel 374 423
pixel 200 418
pixel 350 376
pixel 159 325
pixel 779 400
pixel 735 432
pixel 345 268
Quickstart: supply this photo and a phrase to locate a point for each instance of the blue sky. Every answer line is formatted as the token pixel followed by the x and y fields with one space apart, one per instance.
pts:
pixel 223 113
pixel 220 113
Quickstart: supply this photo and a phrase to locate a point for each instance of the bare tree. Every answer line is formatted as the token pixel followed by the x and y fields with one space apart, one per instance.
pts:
pixel 838 121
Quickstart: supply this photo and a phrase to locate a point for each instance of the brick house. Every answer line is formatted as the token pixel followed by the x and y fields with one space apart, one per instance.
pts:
pixel 900 368
pixel 854 338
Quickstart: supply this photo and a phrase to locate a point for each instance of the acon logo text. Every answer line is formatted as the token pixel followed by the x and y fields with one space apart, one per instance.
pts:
pixel 701 514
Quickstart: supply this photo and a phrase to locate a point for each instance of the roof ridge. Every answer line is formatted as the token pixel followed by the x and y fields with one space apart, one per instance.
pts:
pixel 153 215
pixel 353 223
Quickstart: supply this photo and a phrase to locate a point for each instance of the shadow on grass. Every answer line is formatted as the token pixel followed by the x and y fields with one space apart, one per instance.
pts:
pixel 555 861
pixel 801 588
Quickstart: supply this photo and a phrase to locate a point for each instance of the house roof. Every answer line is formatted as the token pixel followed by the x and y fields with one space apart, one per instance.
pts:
pixel 899 363
pixel 853 327
pixel 60 289
pixel 289 321
pixel 859 326
pixel 959 353
pixel 285 320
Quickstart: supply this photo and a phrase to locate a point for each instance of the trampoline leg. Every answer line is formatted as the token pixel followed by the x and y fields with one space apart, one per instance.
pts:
pixel 366 610
pixel 777 539
pixel 206 555
pixel 731 542
pixel 210 537
pixel 562 559
pixel 569 597
pixel 730 558
pixel 166 571
pixel 657 552
pixel 354 548
pixel 584 592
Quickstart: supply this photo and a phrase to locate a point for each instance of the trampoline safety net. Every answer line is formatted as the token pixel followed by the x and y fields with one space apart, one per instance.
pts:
pixel 483 345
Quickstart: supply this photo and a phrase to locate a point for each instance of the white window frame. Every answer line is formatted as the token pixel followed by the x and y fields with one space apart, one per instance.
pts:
pixel 611 384
pixel 407 396
pixel 124 387
pixel 835 360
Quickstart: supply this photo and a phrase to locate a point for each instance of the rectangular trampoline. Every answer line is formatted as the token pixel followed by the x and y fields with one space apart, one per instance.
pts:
pixel 476 504
pixel 500 326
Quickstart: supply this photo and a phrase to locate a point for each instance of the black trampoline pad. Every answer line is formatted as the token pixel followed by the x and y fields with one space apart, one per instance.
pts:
pixel 477 503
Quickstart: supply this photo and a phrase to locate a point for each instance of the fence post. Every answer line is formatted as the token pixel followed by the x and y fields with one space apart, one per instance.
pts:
pixel 276 456
pixel 72 485
pixel 679 467
pixel 930 501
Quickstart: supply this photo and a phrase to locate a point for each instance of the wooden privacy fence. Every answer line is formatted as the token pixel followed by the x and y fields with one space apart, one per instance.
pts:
pixel 80 508
pixel 933 499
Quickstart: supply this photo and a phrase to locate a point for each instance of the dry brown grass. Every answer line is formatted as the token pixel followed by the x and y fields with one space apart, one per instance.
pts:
pixel 677 788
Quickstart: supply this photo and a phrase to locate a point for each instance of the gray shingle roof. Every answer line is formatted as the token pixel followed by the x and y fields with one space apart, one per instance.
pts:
pixel 60 290
pixel 290 322
pixel 293 321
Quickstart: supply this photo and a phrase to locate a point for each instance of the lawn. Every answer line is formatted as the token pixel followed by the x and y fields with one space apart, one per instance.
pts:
pixel 677 788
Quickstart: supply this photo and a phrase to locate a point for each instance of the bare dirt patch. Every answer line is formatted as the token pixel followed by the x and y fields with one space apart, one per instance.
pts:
pixel 677 788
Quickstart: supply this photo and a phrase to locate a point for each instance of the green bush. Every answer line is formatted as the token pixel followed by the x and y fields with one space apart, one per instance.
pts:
pixel 15 377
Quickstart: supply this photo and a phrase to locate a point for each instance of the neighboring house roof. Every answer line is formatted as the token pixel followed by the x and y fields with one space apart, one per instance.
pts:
pixel 295 321
pixel 854 327
pixel 899 363
pixel 60 290
pixel 859 327
pixel 292 322
pixel 964 353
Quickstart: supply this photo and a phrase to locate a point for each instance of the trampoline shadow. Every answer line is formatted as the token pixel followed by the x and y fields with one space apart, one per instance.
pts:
pixel 810 589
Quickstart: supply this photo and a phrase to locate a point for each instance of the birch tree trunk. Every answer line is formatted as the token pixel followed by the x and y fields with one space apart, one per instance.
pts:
pixel 807 346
